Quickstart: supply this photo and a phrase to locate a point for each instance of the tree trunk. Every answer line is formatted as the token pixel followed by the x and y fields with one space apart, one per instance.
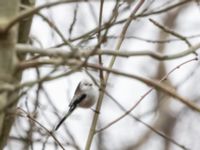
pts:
pixel 8 61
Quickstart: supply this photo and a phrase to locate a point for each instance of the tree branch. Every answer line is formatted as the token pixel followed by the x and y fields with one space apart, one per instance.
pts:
pixel 55 52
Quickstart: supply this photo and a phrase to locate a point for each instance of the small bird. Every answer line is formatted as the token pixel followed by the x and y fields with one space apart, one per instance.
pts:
pixel 85 96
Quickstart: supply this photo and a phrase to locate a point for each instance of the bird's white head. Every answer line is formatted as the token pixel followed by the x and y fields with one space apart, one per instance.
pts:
pixel 86 85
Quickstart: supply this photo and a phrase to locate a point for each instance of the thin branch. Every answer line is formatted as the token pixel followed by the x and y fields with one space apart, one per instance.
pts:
pixel 48 77
pixel 101 96
pixel 164 10
pixel 74 20
pixel 167 30
pixel 157 85
pixel 50 101
pixel 23 49
pixel 134 117
pixel 43 127
pixel 152 83
pixel 164 89
pixel 131 37
pixel 143 123
pixel 104 26
pixel 53 26
pixel 101 76
pixel 31 12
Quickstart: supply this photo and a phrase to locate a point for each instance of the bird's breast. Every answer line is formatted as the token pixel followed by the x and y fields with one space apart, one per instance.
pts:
pixel 86 103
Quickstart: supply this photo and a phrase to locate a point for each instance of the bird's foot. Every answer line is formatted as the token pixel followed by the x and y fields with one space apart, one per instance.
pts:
pixel 95 111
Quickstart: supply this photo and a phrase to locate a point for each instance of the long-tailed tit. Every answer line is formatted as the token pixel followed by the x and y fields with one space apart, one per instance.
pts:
pixel 85 96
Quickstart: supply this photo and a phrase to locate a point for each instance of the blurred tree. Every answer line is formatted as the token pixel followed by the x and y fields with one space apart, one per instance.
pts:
pixel 109 41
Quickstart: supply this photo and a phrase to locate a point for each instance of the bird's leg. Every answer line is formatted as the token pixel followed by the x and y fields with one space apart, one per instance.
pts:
pixel 95 111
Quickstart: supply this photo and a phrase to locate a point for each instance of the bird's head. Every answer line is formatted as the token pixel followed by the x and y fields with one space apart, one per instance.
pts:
pixel 86 85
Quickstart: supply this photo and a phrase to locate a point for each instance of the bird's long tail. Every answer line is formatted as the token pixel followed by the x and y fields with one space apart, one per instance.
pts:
pixel 66 116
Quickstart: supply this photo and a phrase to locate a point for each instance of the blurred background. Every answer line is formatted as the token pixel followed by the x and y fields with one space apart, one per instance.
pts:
pixel 168 29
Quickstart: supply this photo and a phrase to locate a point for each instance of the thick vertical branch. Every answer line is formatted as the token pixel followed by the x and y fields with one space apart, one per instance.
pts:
pixel 101 76
pixel 8 60
pixel 105 79
pixel 25 24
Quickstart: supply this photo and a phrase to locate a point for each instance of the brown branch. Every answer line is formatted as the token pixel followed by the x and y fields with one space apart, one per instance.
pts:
pixel 53 26
pixel 101 76
pixel 54 52
pixel 136 104
pixel 148 82
pixel 101 95
pixel 105 25
pixel 167 30
pixel 157 85
pixel 133 116
pixel 148 40
pixel 31 12
pixel 145 124
pixel 42 126
pixel 164 10
pixel 73 21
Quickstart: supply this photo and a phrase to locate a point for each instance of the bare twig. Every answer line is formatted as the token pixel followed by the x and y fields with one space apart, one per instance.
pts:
pixel 101 76
pixel 42 126
pixel 31 12
pixel 166 9
pixel 73 21
pixel 101 96
pixel 155 84
pixel 148 40
pixel 167 30
pixel 104 26
pixel 149 91
pixel 134 117
pixel 53 52
pixel 53 26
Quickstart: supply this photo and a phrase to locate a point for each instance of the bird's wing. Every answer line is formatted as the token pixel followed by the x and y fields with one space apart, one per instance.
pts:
pixel 76 93
pixel 78 90
pixel 77 99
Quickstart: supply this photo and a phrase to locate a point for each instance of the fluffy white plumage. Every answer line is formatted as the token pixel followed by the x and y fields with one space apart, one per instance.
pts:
pixel 85 96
